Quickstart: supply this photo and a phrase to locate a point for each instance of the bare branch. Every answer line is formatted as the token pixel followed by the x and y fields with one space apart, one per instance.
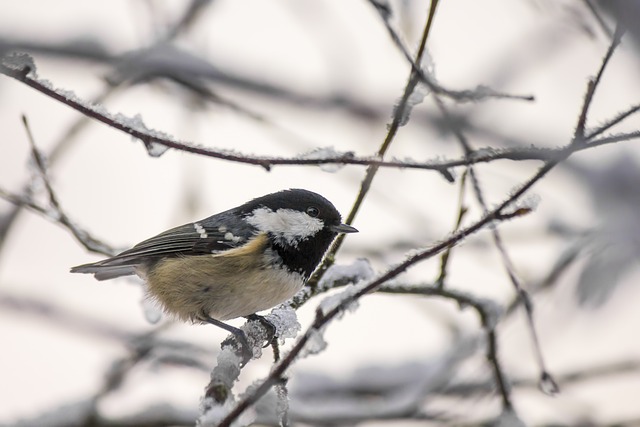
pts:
pixel 579 133
pixel 55 212
pixel 82 236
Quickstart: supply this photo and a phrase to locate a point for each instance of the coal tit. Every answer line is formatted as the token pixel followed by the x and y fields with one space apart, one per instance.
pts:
pixel 233 264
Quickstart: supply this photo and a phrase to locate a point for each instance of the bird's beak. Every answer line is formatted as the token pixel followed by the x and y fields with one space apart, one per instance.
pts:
pixel 343 228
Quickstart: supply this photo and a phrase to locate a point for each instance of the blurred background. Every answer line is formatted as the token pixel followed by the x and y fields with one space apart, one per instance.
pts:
pixel 282 78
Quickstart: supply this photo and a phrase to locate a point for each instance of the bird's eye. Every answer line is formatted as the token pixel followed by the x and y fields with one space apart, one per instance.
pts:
pixel 312 211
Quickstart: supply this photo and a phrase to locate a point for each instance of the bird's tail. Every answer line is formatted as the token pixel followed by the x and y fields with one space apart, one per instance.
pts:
pixel 105 269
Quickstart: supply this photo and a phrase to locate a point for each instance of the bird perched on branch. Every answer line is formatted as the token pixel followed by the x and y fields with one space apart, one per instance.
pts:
pixel 235 263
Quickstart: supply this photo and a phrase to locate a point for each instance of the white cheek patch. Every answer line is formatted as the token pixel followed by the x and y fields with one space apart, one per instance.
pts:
pixel 289 225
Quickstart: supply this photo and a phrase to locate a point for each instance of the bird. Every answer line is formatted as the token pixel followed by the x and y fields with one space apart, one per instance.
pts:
pixel 235 263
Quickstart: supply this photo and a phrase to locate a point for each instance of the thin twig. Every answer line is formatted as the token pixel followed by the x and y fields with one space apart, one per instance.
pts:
pixel 462 211
pixel 492 348
pixel 478 94
pixel 546 380
pixel 372 169
pixel 55 212
pixel 579 133
pixel 612 122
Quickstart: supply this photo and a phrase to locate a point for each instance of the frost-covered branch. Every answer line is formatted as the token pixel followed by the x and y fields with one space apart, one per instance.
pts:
pixel 478 94
pixel 547 383
pixel 323 318
pixel 350 400
pixel 462 212
pixel 219 392
pixel 54 211
pixel 158 142
pixel 401 113
pixel 492 352
pixel 84 237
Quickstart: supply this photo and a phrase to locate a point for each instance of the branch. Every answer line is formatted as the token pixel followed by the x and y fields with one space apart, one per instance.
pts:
pixel 54 212
pixel 547 383
pixel 462 211
pixel 579 133
pixel 478 94
pixel 23 70
pixel 400 113
pixel 153 138
pixel 323 318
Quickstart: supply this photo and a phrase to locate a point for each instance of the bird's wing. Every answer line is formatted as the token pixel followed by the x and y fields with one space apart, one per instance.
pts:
pixel 197 238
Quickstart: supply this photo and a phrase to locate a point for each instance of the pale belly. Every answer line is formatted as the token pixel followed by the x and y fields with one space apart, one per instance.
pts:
pixel 234 284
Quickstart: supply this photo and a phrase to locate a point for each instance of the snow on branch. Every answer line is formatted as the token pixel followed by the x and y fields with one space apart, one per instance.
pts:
pixel 22 68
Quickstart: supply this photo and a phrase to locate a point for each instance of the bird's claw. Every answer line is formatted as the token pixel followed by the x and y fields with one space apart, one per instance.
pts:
pixel 268 326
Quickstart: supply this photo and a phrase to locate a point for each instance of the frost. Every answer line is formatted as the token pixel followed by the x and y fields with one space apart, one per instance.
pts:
pixel 338 275
pixel 427 64
pixel 332 302
pixel 403 110
pixel 69 95
pixel 256 335
pixel 405 160
pixel 527 203
pixel 481 153
pixel 19 61
pixel 358 273
pixel 23 62
pixel 155 149
pixel 216 413
pixel 530 201
pixel 282 405
pixel 327 153
pixel 285 320
pixel 227 369
pixel 315 344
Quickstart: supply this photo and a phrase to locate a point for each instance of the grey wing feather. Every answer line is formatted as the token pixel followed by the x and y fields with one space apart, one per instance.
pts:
pixel 182 240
